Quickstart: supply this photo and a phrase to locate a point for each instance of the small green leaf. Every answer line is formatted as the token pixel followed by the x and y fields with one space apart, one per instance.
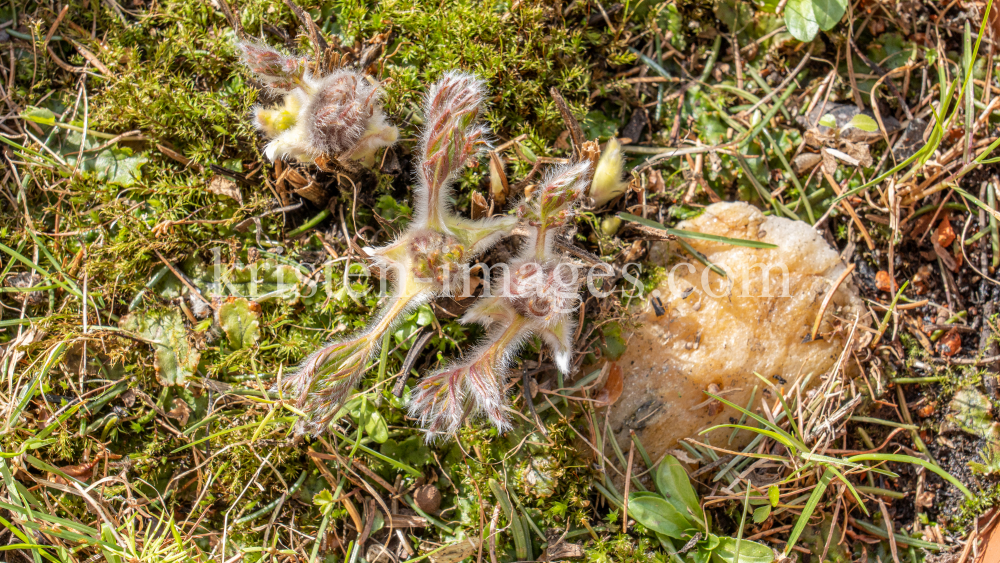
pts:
pixel 863 122
pixel 805 18
pixel 800 20
pixel 376 428
pixel 971 410
pixel 828 12
pixel 710 541
pixel 365 414
pixel 773 494
pixel 613 344
pixel 675 486
pixel 398 402
pixel 750 552
pixel 175 358
pixel 761 513
pixel 324 500
pixel 425 315
pixel 112 165
pixel 659 515
pixel 239 320
pixel 411 451
pixel 528 153
pixel 41 116
pixel 540 476
pixel 828 120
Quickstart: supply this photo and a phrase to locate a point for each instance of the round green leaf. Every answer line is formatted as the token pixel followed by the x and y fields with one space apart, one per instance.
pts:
pixel 425 315
pixel 710 542
pixel 805 18
pixel 238 319
pixel 828 12
pixel 175 358
pixel 750 552
pixel 800 20
pixel 773 495
pixel 366 415
pixel 761 513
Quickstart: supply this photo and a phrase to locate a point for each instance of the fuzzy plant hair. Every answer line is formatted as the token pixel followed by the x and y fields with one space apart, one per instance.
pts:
pixel 537 296
pixel 338 115
pixel 426 260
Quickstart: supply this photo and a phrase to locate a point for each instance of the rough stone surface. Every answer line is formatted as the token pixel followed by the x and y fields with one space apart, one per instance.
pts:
pixel 710 336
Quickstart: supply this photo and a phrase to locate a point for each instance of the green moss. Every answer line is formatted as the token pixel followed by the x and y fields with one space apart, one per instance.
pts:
pixel 520 55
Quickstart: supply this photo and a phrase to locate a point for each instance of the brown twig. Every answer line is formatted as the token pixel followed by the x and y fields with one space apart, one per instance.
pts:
pixel 575 132
pixel 628 479
pixel 55 25
pixel 314 34
pixel 184 279
pixel 888 527
pixel 882 76
pixel 828 298
pixel 850 210
pixel 965 362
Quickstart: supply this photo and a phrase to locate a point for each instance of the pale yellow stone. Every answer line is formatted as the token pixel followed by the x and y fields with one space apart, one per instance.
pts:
pixel 714 334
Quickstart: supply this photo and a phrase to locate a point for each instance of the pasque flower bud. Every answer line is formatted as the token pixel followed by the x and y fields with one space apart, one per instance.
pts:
pixel 338 115
pixel 608 183
pixel 277 71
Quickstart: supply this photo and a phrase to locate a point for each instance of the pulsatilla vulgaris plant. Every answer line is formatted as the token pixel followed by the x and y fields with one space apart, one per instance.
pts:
pixel 428 259
pixel 536 296
pixel 337 115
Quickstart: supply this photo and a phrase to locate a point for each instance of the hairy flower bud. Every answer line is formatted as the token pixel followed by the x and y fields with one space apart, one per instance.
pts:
pixel 449 140
pixel 277 71
pixel 543 292
pixel 338 115
pixel 474 386
pixel 439 403
pixel 608 183
pixel 344 118
pixel 537 295
pixel 561 189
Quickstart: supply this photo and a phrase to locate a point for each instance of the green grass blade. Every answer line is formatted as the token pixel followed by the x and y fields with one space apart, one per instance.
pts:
pixel 900 538
pixel 850 487
pixel 775 435
pixel 814 498
pixel 899 458
pixel 693 235
pixel 767 423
